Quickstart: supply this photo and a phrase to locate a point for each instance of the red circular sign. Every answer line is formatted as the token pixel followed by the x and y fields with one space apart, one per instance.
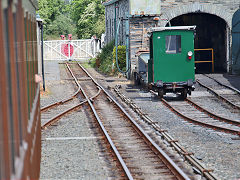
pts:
pixel 66 48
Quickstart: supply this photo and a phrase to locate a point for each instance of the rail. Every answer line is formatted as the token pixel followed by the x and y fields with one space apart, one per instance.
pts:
pixel 219 95
pixel 211 61
pixel 165 158
pixel 173 142
pixel 54 119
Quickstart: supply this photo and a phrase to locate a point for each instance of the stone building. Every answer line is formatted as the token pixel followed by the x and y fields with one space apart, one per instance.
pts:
pixel 217 21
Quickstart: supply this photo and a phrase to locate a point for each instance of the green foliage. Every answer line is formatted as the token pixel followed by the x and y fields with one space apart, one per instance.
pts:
pixel 105 58
pixel 56 18
pixel 90 18
pixel 92 62
pixel 81 18
pixel 121 57
pixel 62 25
pixel 104 61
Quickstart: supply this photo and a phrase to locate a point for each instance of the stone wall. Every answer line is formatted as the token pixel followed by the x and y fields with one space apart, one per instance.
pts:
pixel 169 10
pixel 139 40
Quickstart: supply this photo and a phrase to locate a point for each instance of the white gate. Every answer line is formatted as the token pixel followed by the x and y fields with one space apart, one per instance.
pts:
pixel 70 49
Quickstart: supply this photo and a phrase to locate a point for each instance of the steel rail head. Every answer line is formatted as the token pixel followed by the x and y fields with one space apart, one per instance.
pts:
pixel 75 79
pixel 232 131
pixel 218 95
pixel 50 106
pixel 65 100
pixel 123 164
pixel 169 162
pixel 227 86
pixel 56 118
pixel 231 121
pixel 190 157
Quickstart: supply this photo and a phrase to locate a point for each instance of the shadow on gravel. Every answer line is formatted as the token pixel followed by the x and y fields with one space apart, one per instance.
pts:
pixel 137 89
pixel 154 98
pixel 234 80
pixel 173 98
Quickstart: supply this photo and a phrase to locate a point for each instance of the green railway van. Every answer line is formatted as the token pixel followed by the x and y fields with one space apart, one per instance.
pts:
pixel 171 66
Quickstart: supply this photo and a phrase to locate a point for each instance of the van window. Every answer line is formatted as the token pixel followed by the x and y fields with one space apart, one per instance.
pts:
pixel 173 44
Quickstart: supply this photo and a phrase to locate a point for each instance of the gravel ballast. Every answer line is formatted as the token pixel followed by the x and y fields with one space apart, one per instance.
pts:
pixel 73 150
pixel 218 151
pixel 73 147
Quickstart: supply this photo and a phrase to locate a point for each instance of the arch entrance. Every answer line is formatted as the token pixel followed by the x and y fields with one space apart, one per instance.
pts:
pixel 211 32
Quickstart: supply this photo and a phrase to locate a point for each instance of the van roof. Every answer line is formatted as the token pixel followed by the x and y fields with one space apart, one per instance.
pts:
pixel 154 29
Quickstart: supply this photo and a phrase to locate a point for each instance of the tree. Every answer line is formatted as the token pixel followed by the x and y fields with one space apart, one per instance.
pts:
pixel 82 17
pixel 89 16
pixel 62 25
pixel 56 17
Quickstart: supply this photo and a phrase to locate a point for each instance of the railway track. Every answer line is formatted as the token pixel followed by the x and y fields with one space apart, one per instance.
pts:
pixel 50 114
pixel 226 93
pixel 194 113
pixel 207 173
pixel 139 156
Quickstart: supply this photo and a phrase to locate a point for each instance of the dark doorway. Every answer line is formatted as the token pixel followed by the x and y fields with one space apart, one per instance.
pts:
pixel 210 33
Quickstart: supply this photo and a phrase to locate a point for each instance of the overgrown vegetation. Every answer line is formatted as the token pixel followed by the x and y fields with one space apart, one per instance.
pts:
pixel 106 60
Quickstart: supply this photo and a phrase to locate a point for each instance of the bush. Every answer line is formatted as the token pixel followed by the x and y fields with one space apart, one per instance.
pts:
pixel 104 60
pixel 121 57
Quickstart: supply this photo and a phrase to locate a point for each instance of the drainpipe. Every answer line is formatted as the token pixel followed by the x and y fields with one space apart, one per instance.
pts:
pixel 116 45
pixel 115 20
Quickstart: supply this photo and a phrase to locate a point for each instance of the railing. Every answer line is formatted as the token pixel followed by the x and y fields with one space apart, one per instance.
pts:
pixel 207 61
pixel 70 49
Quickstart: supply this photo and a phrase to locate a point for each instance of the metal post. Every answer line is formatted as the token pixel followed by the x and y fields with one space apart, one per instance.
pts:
pixel 69 50
pixel 42 58
pixel 212 61
pixel 94 48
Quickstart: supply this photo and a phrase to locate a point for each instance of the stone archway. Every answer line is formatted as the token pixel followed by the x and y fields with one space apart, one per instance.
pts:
pixel 186 14
pixel 218 10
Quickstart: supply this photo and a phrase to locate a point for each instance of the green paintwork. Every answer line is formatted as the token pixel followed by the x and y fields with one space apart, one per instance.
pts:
pixel 172 67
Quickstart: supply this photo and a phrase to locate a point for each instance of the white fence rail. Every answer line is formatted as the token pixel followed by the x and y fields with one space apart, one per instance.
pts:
pixel 73 49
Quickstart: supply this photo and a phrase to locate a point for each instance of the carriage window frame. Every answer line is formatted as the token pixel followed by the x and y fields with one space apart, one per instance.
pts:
pixel 173 44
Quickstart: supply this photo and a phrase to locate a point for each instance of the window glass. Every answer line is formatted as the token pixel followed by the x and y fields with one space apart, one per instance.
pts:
pixel 173 44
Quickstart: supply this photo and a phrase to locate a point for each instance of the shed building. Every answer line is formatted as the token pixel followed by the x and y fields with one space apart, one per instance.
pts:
pixel 218 27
